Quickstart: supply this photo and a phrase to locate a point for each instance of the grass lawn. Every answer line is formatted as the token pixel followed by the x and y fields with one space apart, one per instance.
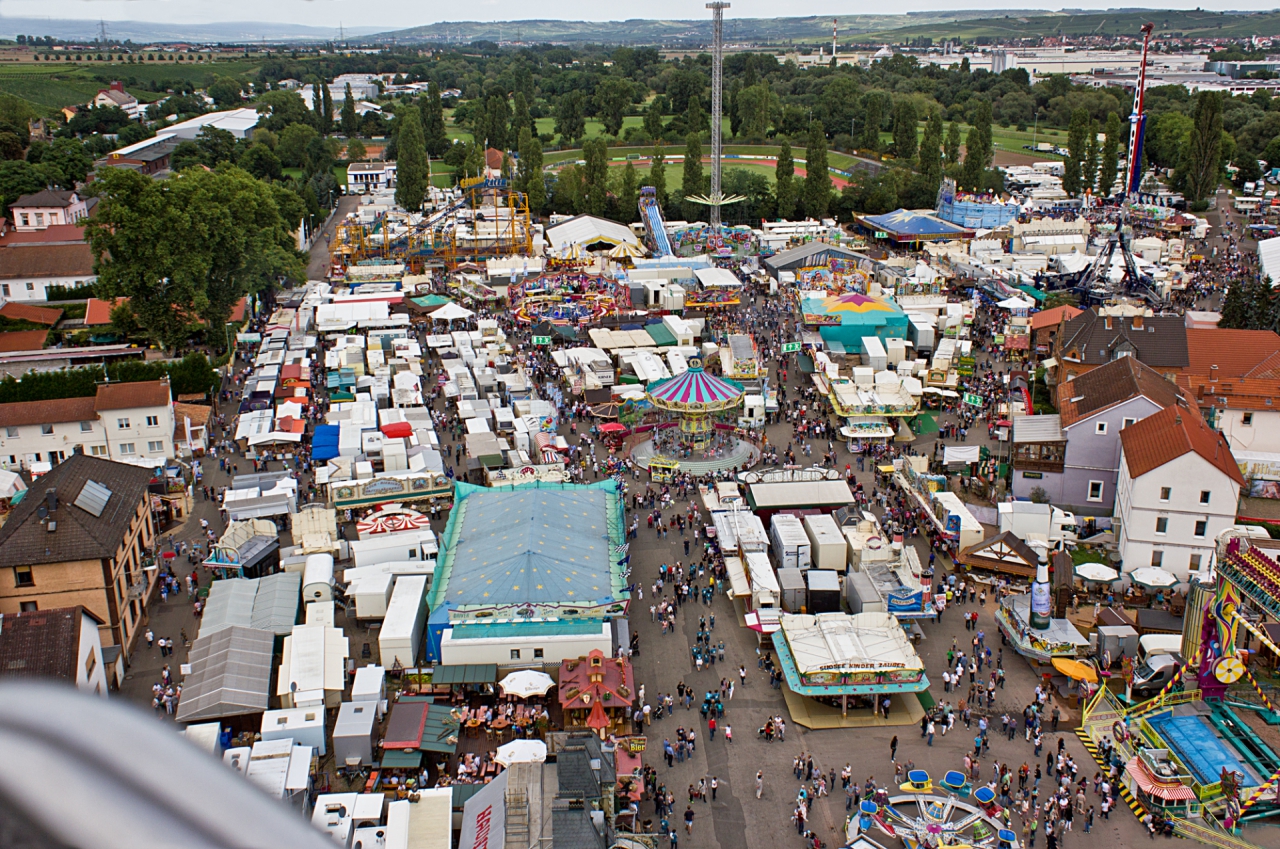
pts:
pixel 339 173
pixel 835 159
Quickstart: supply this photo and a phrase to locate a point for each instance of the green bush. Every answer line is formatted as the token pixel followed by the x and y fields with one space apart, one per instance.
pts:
pixel 191 375
pixel 68 293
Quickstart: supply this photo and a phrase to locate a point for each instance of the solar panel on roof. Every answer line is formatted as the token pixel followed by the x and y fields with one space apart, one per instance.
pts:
pixel 93 498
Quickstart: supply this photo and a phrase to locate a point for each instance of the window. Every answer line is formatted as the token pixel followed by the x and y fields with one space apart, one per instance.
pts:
pixel 90 664
pixel 537 653
pixel 1157 557
pixel 1246 419
pixel 515 654
pixel 26 220
pixel 98 450
pixel 4 289
pixel 155 447
pixel 28 607
pixel 1100 428
pixel 1095 490
pixel 1204 496
pixel 31 287
pixel 153 421
pixel 22 577
pixel 46 429
pixel 1126 422
pixel 1165 492
pixel 126 447
pixel 39 219
pixel 1162 524
pixel 11 432
pixel 1195 562
pixel 86 427
pixel 1202 527
pixel 123 424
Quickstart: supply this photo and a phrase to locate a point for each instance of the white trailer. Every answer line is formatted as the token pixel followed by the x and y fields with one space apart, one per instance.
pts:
pixel 791 546
pixel 829 549
pixel 418 544
pixel 874 354
pixel 317 578
pixel 400 639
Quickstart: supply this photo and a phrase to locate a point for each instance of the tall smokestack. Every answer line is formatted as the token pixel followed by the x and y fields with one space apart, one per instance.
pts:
pixel 834 23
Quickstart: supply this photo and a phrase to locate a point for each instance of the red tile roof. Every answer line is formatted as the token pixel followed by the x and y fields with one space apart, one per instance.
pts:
pixel 1114 383
pixel 55 411
pixel 1169 434
pixel 59 259
pixel 1052 317
pixel 98 312
pixel 43 643
pixel 53 234
pixel 26 312
pixel 130 396
pixel 1233 352
pixel 22 340
pixel 1241 393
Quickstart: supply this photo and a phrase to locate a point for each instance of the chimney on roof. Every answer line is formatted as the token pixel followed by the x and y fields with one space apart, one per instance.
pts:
pixel 1137 322
pixel 1177 418
pixel 51 499
pixel 1107 321
pixel 116 85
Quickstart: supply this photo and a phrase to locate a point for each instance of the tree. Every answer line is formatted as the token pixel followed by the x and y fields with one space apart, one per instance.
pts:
pixel 978 150
pixel 1073 169
pixel 904 131
pixel 785 188
pixel 571 123
pixel 350 120
pixel 653 117
pixel 695 119
pixel 1109 159
pixel 326 114
pixel 613 96
pixel 216 146
pixel 817 182
pixel 65 161
pixel 18 178
pixel 1202 159
pixel 432 109
pixel 277 109
pixel 317 104
pixel 292 146
pixel 755 107
pixel 691 181
pixel 520 118
pixel 1235 307
pixel 595 175
pixel 1089 176
pixel 262 162
pixel 658 177
pixel 356 151
pixel 953 144
pixel 496 121
pixel 186 155
pixel 931 151
pixel 569 192
pixel 411 161
pixel 628 194
pixel 531 162
pixel 225 91
pixel 187 248
pixel 872 118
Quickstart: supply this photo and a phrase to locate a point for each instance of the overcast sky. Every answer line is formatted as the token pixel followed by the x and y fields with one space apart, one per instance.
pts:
pixel 399 14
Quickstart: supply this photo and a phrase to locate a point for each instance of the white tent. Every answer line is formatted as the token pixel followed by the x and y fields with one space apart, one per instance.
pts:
pixel 10 484
pixel 451 312
pixel 1014 304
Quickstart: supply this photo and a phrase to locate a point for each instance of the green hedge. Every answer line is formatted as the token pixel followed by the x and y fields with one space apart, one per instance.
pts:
pixel 190 375
pixel 68 293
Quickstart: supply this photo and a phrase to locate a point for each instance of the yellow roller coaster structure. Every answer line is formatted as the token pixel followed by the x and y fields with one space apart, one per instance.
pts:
pixel 487 219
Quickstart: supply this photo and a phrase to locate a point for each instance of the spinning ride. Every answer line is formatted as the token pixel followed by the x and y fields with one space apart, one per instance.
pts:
pixel 694 397
pixel 937 821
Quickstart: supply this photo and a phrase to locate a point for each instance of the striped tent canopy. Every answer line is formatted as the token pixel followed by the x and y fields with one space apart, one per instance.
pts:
pixel 695 390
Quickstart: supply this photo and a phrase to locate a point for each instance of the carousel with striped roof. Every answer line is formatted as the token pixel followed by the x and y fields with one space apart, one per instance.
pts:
pixel 701 433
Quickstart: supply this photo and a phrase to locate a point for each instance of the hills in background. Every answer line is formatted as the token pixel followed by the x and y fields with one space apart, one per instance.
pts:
pixel 238 32
pixel 814 29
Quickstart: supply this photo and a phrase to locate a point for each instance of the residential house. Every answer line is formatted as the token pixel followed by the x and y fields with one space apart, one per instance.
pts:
pixel 48 208
pixel 365 177
pixel 127 422
pixel 33 260
pixel 1097 337
pixel 79 538
pixel 494 160
pixel 22 340
pixel 1218 353
pixel 1044 327
pixel 62 643
pixel 115 95
pixel 1178 489
pixel 1092 410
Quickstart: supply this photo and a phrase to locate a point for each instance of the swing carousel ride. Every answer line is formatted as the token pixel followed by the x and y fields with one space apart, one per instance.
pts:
pixel 698 439
pixel 925 819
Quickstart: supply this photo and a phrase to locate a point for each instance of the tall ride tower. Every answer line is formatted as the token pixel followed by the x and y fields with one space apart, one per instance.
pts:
pixel 717 8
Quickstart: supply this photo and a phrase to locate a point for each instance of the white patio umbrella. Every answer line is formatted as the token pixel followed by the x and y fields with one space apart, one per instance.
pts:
pixel 521 752
pixel 1153 577
pixel 1096 572
pixel 526 682
pixel 1014 303
pixel 451 312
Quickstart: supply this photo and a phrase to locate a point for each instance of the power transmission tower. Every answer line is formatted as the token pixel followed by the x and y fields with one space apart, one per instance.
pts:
pixel 102 31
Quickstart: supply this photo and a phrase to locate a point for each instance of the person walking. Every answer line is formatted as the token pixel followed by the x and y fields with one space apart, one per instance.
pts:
pixel 759 783
pixel 715 784
pixel 893 749
pixel 688 820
